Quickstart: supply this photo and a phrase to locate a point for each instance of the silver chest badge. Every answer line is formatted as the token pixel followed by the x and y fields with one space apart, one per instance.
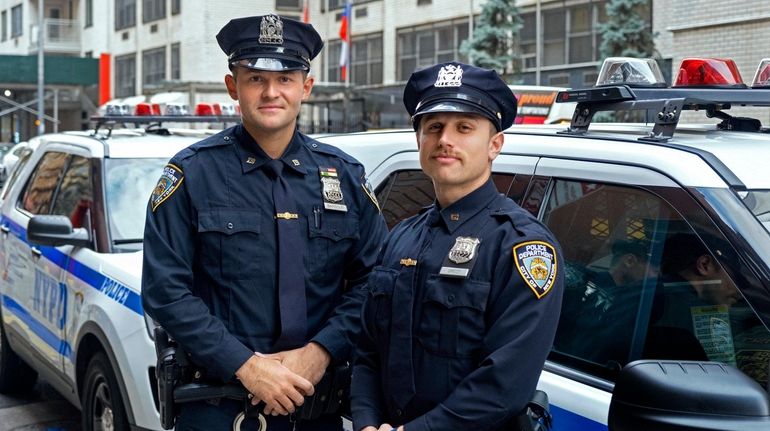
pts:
pixel 464 249
pixel 331 190
pixel 271 30
pixel 449 76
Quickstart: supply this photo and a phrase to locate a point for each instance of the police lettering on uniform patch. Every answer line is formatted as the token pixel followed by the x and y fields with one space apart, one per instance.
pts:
pixel 332 190
pixel 464 249
pixel 271 30
pixel 169 181
pixel 536 262
pixel 449 76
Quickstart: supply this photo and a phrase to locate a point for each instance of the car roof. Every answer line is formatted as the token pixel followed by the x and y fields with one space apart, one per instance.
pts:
pixel 133 143
pixel 736 157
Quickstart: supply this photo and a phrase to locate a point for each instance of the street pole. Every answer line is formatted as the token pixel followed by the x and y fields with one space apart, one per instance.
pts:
pixel 40 69
pixel 538 43
pixel 470 31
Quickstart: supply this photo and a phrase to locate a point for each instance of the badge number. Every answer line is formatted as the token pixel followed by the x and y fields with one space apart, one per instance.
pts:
pixel 536 263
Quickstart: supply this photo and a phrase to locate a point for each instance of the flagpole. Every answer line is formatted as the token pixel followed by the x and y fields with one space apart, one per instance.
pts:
pixel 350 46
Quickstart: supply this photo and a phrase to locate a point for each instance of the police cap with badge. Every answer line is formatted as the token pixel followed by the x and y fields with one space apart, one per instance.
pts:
pixel 269 43
pixel 461 88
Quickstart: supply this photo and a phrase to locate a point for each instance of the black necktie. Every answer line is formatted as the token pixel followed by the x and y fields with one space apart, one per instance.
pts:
pixel 402 387
pixel 292 302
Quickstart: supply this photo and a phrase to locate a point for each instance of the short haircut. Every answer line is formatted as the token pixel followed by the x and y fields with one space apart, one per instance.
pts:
pixel 681 251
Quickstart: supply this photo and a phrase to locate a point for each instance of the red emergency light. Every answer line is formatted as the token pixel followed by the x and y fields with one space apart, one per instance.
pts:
pixel 708 72
pixel 208 109
pixel 762 77
pixel 144 109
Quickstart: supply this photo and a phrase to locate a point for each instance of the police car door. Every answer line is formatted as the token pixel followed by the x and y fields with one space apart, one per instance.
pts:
pixel 590 206
pixel 35 301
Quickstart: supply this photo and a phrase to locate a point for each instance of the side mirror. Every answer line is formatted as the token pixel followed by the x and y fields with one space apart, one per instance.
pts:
pixel 685 395
pixel 56 230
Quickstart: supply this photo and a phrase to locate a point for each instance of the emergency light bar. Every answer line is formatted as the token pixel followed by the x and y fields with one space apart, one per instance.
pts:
pixel 709 73
pixel 762 77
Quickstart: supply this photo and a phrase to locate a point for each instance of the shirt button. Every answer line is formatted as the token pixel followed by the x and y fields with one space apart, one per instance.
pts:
pixel 398 412
pixel 450 298
pixel 229 225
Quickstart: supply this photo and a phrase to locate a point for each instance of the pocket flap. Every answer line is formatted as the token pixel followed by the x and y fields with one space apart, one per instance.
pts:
pixel 228 220
pixel 381 281
pixel 336 229
pixel 456 293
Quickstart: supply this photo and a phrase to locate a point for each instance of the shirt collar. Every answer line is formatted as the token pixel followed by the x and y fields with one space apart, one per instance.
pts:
pixel 253 157
pixel 464 209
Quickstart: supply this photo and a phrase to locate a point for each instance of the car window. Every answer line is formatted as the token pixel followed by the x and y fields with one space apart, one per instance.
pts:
pixel 14 174
pixel 640 283
pixel 38 195
pixel 758 201
pixel 404 193
pixel 128 186
pixel 75 196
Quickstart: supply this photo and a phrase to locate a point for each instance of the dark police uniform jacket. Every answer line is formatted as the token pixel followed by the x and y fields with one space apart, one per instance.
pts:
pixel 480 342
pixel 210 256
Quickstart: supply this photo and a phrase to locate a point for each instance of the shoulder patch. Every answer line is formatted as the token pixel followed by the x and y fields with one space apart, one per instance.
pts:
pixel 370 193
pixel 536 262
pixel 169 181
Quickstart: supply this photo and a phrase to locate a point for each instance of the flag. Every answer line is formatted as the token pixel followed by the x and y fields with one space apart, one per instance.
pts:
pixel 306 12
pixel 345 36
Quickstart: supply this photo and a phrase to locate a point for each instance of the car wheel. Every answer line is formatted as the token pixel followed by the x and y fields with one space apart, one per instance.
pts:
pixel 103 408
pixel 15 375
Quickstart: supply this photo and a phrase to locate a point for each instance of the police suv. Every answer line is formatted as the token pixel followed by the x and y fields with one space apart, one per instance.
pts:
pixel 620 198
pixel 71 229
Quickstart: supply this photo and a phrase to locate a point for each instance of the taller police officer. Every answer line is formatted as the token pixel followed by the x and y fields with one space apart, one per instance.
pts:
pixel 259 238
pixel 465 299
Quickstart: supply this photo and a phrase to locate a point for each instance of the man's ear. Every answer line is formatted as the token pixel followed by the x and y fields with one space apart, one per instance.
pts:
pixel 496 145
pixel 705 265
pixel 230 84
pixel 307 87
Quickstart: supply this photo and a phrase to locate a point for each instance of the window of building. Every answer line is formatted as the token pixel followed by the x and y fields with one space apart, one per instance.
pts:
pixel 554 42
pixel 125 75
pixel 176 72
pixel 4 25
pixel 153 10
pixel 528 41
pixel 424 2
pixel 581 21
pixel 366 59
pixel 16 21
pixel 176 7
pixel 89 11
pixel 125 14
pixel 39 192
pixel 558 80
pixel 334 4
pixel 333 51
pixel 422 46
pixel 153 66
pixel 288 4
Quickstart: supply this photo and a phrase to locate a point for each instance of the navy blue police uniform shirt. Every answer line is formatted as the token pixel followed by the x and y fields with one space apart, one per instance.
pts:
pixel 479 342
pixel 210 253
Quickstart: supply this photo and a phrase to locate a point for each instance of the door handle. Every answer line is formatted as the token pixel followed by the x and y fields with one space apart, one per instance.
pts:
pixel 36 251
pixel 5 229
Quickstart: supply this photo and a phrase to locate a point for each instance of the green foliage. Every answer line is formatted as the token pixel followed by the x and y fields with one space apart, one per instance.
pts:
pixel 492 44
pixel 625 33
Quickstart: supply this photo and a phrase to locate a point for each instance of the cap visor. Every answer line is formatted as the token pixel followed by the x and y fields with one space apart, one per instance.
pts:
pixel 270 64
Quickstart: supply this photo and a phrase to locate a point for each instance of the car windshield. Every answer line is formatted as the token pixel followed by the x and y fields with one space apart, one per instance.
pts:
pixel 758 201
pixel 129 183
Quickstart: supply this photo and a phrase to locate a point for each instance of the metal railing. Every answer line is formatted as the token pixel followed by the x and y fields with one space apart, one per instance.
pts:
pixel 59 35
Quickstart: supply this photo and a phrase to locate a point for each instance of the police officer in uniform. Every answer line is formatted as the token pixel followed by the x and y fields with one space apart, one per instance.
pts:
pixel 463 305
pixel 258 239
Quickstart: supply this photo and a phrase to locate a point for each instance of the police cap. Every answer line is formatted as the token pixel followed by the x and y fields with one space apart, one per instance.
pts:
pixel 270 43
pixel 458 87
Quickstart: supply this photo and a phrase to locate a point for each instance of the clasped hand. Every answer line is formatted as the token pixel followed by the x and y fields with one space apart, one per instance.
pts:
pixel 282 380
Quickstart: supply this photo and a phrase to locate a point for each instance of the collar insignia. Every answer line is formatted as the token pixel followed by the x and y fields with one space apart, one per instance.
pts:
pixel 464 249
pixel 271 30
pixel 449 76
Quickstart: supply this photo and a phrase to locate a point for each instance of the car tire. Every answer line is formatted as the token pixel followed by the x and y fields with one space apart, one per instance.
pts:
pixel 15 375
pixel 103 408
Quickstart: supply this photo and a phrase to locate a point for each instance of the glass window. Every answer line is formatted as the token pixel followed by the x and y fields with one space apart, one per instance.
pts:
pixel 640 283
pixel 333 52
pixel 125 75
pixel 153 10
pixel 176 7
pixel 3 26
pixel 128 182
pixel 423 46
pixel 176 73
pixel 16 21
pixel 125 14
pixel 38 195
pixel 554 38
pixel 758 201
pixel 89 19
pixel 75 196
pixel 366 59
pixel 288 4
pixel 153 66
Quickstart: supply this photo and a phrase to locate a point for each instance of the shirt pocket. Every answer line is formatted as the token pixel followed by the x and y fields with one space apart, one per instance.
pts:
pixel 230 242
pixel 452 319
pixel 381 282
pixel 330 235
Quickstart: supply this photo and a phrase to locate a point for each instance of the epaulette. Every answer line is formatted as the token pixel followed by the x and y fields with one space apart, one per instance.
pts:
pixel 506 209
pixel 329 150
pixel 225 137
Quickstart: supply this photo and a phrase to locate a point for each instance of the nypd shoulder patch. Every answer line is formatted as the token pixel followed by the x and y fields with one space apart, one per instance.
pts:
pixel 169 181
pixel 536 262
pixel 370 193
